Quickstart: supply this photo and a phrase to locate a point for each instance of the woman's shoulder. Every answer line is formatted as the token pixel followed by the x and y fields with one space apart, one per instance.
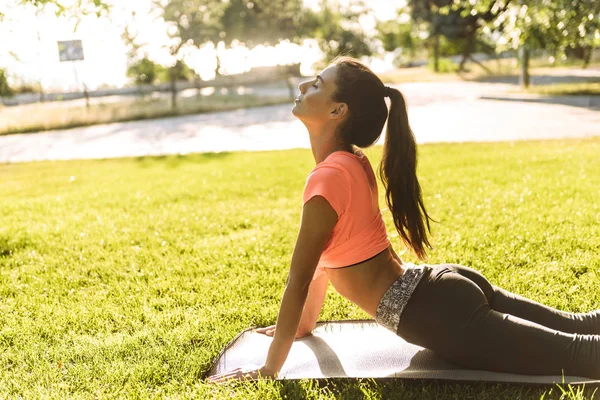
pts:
pixel 345 159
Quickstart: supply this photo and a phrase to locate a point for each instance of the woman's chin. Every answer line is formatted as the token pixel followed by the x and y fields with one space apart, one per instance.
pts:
pixel 295 110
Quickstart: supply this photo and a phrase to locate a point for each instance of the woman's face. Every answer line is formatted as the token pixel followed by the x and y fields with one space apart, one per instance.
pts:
pixel 314 104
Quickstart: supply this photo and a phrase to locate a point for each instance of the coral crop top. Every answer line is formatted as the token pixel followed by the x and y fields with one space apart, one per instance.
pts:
pixel 348 183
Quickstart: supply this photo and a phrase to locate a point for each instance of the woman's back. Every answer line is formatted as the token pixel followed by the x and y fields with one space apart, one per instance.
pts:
pixel 360 235
pixel 365 283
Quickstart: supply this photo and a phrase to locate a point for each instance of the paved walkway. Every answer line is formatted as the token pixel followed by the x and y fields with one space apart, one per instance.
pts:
pixel 438 112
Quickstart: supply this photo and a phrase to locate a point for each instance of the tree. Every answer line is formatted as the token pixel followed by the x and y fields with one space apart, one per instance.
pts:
pixel 195 22
pixel 394 35
pixel 79 8
pixel 5 89
pixel 456 21
pixel 265 22
pixel 337 30
pixel 145 71
pixel 556 26
pixel 249 23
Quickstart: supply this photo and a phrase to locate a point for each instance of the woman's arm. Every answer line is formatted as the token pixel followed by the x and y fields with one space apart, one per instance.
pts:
pixel 313 305
pixel 316 226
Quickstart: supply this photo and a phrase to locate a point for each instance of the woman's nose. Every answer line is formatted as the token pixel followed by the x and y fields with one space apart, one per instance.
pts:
pixel 302 86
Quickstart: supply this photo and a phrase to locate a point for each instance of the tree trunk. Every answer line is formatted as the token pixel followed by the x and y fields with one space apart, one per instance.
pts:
pixel 87 96
pixel 197 84
pixel 436 53
pixel 587 56
pixel 173 89
pixel 291 88
pixel 468 50
pixel 524 79
pixel 217 72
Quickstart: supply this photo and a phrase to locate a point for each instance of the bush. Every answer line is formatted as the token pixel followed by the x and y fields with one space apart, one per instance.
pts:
pixel 144 71
pixel 5 90
pixel 445 65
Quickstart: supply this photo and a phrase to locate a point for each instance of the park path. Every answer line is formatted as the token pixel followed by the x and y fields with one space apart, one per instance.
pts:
pixel 438 112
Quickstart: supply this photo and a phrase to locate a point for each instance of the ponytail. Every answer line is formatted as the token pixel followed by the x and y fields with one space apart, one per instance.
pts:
pixel 363 92
pixel 398 172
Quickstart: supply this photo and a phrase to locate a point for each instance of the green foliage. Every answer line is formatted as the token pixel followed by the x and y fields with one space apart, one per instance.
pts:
pixel 266 22
pixel 337 30
pixel 197 22
pixel 181 71
pixel 145 71
pixel 5 89
pixel 445 65
pixel 396 35
pixel 75 8
pixel 132 274
pixel 551 25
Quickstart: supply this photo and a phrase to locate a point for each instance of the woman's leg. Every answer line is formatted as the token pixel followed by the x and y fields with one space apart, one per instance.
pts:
pixel 450 315
pixel 510 303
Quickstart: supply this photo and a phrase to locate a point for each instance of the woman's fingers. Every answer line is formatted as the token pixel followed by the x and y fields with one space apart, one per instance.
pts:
pixel 269 330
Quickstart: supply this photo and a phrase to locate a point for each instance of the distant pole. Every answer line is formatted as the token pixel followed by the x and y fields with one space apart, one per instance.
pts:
pixel 173 89
pixel 72 50
pixel 524 55
pixel 86 94
pixel 436 53
pixel 39 56
pixel 75 74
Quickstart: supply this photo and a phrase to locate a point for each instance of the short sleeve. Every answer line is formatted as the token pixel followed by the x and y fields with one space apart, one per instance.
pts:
pixel 331 183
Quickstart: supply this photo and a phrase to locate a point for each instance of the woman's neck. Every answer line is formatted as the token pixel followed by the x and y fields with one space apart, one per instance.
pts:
pixel 323 143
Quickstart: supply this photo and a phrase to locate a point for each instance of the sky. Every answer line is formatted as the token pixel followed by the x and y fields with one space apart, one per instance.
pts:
pixel 29 50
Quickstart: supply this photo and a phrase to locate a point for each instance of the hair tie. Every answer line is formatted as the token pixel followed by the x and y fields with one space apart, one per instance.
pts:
pixel 387 91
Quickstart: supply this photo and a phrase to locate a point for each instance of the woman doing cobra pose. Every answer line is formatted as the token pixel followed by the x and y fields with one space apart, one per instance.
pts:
pixel 450 309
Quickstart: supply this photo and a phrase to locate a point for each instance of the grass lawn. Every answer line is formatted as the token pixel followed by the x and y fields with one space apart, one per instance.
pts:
pixel 566 89
pixel 126 277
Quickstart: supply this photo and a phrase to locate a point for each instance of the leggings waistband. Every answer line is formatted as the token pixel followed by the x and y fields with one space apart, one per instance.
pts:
pixel 396 297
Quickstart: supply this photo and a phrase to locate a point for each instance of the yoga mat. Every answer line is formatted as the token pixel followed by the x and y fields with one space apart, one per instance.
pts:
pixel 363 349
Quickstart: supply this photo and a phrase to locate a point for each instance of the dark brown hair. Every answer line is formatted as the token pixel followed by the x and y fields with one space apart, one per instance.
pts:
pixel 363 92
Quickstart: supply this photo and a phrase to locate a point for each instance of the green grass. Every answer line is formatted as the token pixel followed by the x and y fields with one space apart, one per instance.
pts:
pixel 56 115
pixel 566 89
pixel 126 277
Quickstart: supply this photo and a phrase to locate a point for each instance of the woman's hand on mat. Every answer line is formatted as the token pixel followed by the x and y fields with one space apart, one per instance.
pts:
pixel 250 372
pixel 270 331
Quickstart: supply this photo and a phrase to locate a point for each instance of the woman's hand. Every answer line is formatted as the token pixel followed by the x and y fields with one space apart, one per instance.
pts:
pixel 247 373
pixel 270 331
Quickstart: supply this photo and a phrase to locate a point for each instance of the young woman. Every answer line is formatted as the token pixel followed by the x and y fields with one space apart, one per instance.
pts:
pixel 449 309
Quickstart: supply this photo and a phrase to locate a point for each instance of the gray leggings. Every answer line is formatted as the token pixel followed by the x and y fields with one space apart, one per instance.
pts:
pixel 455 312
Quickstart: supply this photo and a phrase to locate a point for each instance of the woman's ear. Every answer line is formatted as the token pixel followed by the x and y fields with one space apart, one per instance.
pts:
pixel 340 111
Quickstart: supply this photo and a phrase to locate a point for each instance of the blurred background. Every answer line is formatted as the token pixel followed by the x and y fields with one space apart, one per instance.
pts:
pixel 74 63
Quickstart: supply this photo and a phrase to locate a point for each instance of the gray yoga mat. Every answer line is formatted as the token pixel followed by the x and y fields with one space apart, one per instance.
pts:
pixel 363 349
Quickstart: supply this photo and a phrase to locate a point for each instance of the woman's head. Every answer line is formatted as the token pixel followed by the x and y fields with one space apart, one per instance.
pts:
pixel 364 93
pixel 315 105
pixel 351 98
pixel 348 96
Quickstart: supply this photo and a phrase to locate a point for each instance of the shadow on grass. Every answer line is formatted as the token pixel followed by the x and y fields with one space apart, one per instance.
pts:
pixel 174 161
pixel 11 244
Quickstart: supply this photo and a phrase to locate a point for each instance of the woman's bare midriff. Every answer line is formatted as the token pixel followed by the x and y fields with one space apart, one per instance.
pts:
pixel 364 284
